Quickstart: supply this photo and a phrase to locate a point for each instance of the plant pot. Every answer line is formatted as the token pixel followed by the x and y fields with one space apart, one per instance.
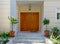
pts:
pixel 46 33
pixel 55 35
pixel 12 33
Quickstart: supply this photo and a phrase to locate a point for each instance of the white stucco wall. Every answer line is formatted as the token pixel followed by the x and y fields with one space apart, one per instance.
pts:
pixel 51 7
pixel 4 13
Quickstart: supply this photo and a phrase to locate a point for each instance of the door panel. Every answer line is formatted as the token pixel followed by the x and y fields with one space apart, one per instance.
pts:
pixel 29 21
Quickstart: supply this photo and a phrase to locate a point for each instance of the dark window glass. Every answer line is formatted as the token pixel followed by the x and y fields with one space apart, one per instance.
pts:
pixel 58 15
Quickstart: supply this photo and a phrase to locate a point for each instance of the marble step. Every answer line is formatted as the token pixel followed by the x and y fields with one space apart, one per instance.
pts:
pixel 29 33
pixel 30 36
pixel 23 37
pixel 30 43
pixel 29 40
pixel 27 37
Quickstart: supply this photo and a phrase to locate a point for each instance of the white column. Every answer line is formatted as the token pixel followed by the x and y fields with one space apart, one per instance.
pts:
pixel 14 13
pixel 13 8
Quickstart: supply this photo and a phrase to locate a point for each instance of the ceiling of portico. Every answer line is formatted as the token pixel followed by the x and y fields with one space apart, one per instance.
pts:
pixel 29 2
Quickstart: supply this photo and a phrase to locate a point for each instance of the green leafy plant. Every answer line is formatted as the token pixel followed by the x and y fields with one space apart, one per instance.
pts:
pixel 56 40
pixel 46 22
pixel 55 30
pixel 4 37
pixel 12 21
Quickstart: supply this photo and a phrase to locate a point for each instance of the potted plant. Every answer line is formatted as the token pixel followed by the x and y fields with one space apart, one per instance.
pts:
pixel 46 22
pixel 55 31
pixel 12 21
pixel 4 37
pixel 56 40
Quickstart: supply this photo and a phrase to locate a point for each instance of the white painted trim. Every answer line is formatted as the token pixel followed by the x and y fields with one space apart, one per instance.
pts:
pixel 41 30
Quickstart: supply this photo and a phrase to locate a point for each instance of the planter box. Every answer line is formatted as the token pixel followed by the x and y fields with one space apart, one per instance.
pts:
pixel 48 41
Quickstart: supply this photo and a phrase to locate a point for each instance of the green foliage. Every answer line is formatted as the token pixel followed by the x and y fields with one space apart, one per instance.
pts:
pixel 46 21
pixel 4 36
pixel 55 39
pixel 4 42
pixel 55 30
pixel 12 20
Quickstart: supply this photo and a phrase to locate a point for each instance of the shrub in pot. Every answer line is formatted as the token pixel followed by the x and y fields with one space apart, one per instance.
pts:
pixel 46 22
pixel 12 21
pixel 55 31
pixel 56 40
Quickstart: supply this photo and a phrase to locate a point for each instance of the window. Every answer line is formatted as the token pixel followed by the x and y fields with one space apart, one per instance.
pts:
pixel 58 15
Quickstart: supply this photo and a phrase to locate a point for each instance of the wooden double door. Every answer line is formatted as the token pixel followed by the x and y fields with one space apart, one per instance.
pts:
pixel 29 21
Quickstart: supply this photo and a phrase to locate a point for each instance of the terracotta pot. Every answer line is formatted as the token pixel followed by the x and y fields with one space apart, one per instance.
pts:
pixel 46 33
pixel 55 35
pixel 12 33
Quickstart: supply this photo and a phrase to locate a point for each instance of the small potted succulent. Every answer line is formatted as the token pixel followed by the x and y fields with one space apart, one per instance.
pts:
pixel 46 23
pixel 55 31
pixel 12 21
